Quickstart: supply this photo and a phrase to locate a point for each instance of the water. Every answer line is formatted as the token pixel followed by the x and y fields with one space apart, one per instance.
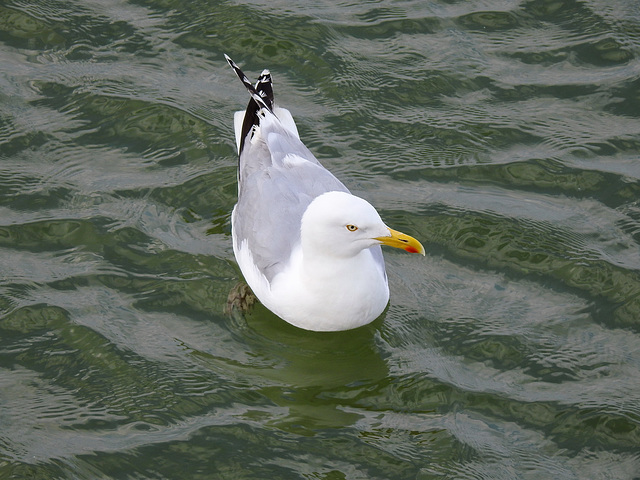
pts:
pixel 504 135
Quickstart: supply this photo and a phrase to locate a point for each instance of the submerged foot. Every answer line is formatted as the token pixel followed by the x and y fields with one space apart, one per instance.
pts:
pixel 241 298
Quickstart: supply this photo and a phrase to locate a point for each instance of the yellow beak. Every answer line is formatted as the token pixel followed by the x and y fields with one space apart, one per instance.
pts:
pixel 400 240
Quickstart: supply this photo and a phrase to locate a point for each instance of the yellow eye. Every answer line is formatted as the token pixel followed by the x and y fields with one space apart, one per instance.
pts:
pixel 352 228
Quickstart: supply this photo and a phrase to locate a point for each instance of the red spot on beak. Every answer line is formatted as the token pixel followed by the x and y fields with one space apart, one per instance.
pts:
pixel 411 250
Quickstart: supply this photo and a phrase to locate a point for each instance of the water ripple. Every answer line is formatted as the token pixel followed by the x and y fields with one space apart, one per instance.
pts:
pixel 504 135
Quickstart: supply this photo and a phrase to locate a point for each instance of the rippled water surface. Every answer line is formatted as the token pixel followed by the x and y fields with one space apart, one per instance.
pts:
pixel 504 135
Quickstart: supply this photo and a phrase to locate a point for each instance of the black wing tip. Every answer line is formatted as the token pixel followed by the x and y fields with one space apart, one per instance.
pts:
pixel 261 98
pixel 264 87
pixel 231 63
pixel 262 93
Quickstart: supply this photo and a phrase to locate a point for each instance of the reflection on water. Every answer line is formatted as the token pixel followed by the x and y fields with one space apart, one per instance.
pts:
pixel 505 137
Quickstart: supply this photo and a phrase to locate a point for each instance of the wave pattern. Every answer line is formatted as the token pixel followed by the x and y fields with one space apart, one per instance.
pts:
pixel 504 135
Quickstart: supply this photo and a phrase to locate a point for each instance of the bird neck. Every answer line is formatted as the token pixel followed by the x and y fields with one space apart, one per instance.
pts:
pixel 324 268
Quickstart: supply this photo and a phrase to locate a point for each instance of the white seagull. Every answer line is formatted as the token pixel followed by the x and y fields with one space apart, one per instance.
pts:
pixel 307 247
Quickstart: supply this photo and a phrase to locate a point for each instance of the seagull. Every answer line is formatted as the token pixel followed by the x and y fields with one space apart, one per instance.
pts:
pixel 307 247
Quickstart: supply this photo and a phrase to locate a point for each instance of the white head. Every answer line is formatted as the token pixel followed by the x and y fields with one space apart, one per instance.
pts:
pixel 341 225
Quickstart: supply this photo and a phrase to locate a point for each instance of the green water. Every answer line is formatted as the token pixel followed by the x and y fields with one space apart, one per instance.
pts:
pixel 503 135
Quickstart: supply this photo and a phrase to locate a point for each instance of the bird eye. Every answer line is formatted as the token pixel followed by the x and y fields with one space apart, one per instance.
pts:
pixel 352 228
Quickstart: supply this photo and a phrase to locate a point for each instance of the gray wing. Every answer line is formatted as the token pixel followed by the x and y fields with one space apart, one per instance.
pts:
pixel 279 177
